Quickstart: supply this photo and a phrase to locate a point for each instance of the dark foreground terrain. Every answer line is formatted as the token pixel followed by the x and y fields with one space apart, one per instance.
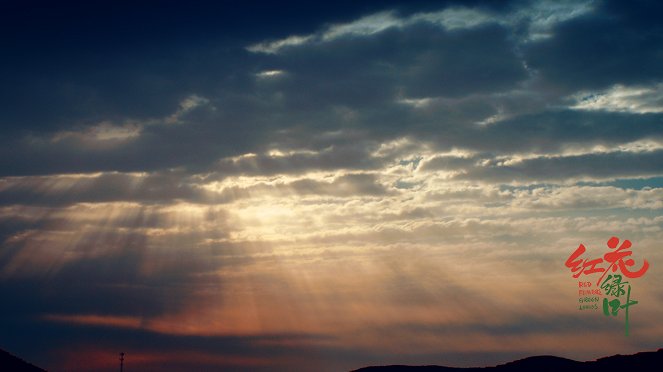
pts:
pixel 11 363
pixel 645 361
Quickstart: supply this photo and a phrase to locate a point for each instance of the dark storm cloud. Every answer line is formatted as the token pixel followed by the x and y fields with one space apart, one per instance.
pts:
pixel 351 84
pixel 553 130
pixel 619 43
pixel 77 63
pixel 81 88
pixel 421 60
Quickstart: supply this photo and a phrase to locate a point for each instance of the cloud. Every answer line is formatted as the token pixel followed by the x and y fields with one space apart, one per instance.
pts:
pixel 174 188
pixel 602 49
pixel 554 130
pixel 417 79
pixel 447 162
pixel 295 162
pixel 638 100
pixel 596 197
pixel 590 166
pixel 540 16
pixel 270 74
pixel 98 188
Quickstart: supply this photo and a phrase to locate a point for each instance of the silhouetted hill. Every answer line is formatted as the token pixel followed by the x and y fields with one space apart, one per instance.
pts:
pixel 645 361
pixel 543 363
pixel 11 363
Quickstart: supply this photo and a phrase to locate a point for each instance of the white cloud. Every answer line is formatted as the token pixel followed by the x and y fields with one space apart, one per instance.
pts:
pixel 192 102
pixel 544 15
pixel 188 104
pixel 364 26
pixel 106 133
pixel 275 46
pixel 540 18
pixel 269 74
pixel 416 102
pixel 620 98
pixel 456 18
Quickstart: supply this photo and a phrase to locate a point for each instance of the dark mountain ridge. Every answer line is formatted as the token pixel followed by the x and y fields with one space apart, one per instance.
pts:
pixel 643 361
pixel 12 363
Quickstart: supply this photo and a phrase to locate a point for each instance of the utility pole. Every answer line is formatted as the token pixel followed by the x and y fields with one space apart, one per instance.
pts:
pixel 121 362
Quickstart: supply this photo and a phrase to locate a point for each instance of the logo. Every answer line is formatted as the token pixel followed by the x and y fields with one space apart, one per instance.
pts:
pixel 613 287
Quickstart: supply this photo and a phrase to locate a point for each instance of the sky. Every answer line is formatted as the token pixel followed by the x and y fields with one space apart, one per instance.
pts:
pixel 304 186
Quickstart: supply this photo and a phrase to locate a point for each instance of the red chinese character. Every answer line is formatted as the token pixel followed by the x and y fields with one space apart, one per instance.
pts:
pixel 588 267
pixel 616 259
